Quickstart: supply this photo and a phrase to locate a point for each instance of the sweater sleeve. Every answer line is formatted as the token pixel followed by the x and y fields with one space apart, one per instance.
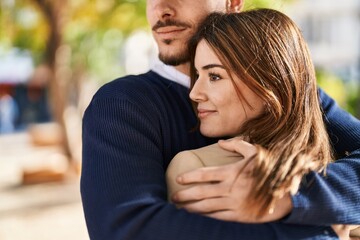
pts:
pixel 333 197
pixel 123 185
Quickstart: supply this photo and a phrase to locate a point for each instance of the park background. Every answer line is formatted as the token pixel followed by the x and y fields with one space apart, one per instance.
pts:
pixel 54 54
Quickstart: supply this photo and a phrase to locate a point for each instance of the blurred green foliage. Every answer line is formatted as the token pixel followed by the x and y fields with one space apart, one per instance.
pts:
pixel 94 30
pixel 98 29
pixel 23 27
pixel 346 93
pixel 278 4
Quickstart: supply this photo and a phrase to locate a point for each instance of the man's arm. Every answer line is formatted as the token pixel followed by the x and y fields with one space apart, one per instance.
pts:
pixel 123 184
pixel 334 198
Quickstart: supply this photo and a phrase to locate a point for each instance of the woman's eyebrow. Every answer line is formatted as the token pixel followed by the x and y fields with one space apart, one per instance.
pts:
pixel 206 67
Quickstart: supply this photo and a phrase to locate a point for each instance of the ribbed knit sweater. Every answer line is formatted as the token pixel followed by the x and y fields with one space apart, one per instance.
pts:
pixel 135 125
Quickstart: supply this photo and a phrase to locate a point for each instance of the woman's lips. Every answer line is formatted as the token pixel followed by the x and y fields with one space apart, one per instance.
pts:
pixel 203 113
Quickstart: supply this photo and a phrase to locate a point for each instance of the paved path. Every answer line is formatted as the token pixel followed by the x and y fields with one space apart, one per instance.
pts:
pixel 48 211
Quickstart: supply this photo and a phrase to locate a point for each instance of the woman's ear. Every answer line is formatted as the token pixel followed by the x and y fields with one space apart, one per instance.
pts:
pixel 234 5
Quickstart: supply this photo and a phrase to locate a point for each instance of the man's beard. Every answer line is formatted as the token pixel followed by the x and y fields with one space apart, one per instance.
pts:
pixel 175 59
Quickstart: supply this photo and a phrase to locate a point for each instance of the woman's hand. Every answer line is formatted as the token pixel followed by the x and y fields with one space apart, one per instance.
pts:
pixel 221 192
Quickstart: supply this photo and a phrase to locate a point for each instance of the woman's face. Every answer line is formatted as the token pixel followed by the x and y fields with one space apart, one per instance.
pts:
pixel 220 110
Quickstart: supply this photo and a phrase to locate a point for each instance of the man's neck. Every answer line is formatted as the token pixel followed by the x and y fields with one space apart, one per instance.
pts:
pixel 184 68
pixel 178 74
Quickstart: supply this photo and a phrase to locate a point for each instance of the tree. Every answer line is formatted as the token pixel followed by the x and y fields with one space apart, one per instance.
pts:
pixel 62 36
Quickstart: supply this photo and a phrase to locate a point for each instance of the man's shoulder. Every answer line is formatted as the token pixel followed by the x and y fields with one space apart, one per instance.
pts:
pixel 128 85
pixel 129 82
pixel 145 90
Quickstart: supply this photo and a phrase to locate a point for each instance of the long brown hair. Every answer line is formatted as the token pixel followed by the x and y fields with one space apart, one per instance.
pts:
pixel 265 49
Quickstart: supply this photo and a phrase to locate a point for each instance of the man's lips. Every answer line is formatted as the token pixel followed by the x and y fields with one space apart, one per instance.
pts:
pixel 169 32
pixel 203 113
pixel 170 29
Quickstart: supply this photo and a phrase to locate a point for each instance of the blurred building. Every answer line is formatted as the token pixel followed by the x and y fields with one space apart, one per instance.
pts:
pixel 332 30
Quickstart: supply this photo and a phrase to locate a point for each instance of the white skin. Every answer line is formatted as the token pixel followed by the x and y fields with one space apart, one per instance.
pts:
pixel 220 110
pixel 179 20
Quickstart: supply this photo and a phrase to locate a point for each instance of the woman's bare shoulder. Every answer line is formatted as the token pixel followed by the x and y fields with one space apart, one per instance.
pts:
pixel 185 161
pixel 182 162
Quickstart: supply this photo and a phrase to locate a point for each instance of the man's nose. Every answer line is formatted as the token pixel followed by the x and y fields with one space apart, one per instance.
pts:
pixel 165 9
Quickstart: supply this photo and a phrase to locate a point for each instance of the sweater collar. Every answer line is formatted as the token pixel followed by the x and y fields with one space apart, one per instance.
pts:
pixel 169 72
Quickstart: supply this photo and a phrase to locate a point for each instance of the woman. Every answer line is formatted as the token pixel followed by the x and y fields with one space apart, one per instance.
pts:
pixel 264 93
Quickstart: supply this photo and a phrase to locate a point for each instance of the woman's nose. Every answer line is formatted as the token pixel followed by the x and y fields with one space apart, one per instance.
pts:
pixel 197 93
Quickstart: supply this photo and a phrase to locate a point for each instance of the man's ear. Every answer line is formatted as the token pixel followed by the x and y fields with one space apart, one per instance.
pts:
pixel 234 5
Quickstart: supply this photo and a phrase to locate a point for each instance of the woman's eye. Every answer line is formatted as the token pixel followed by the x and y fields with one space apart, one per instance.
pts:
pixel 214 77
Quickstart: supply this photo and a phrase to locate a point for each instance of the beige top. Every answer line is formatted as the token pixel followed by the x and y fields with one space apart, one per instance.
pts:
pixel 212 155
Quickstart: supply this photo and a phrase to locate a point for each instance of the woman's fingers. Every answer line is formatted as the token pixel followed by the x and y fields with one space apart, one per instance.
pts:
pixel 238 145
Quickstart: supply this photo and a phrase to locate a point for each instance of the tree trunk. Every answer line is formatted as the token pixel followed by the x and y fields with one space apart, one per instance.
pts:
pixel 57 58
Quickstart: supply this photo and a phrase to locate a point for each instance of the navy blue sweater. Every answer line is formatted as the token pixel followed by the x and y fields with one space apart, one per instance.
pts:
pixel 135 125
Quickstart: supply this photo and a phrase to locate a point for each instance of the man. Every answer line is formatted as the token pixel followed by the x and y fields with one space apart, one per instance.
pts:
pixel 135 125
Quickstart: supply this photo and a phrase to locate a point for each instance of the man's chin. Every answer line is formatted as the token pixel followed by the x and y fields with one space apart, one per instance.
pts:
pixel 174 60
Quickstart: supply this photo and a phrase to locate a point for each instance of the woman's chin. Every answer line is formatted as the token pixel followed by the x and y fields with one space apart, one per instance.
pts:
pixel 211 134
